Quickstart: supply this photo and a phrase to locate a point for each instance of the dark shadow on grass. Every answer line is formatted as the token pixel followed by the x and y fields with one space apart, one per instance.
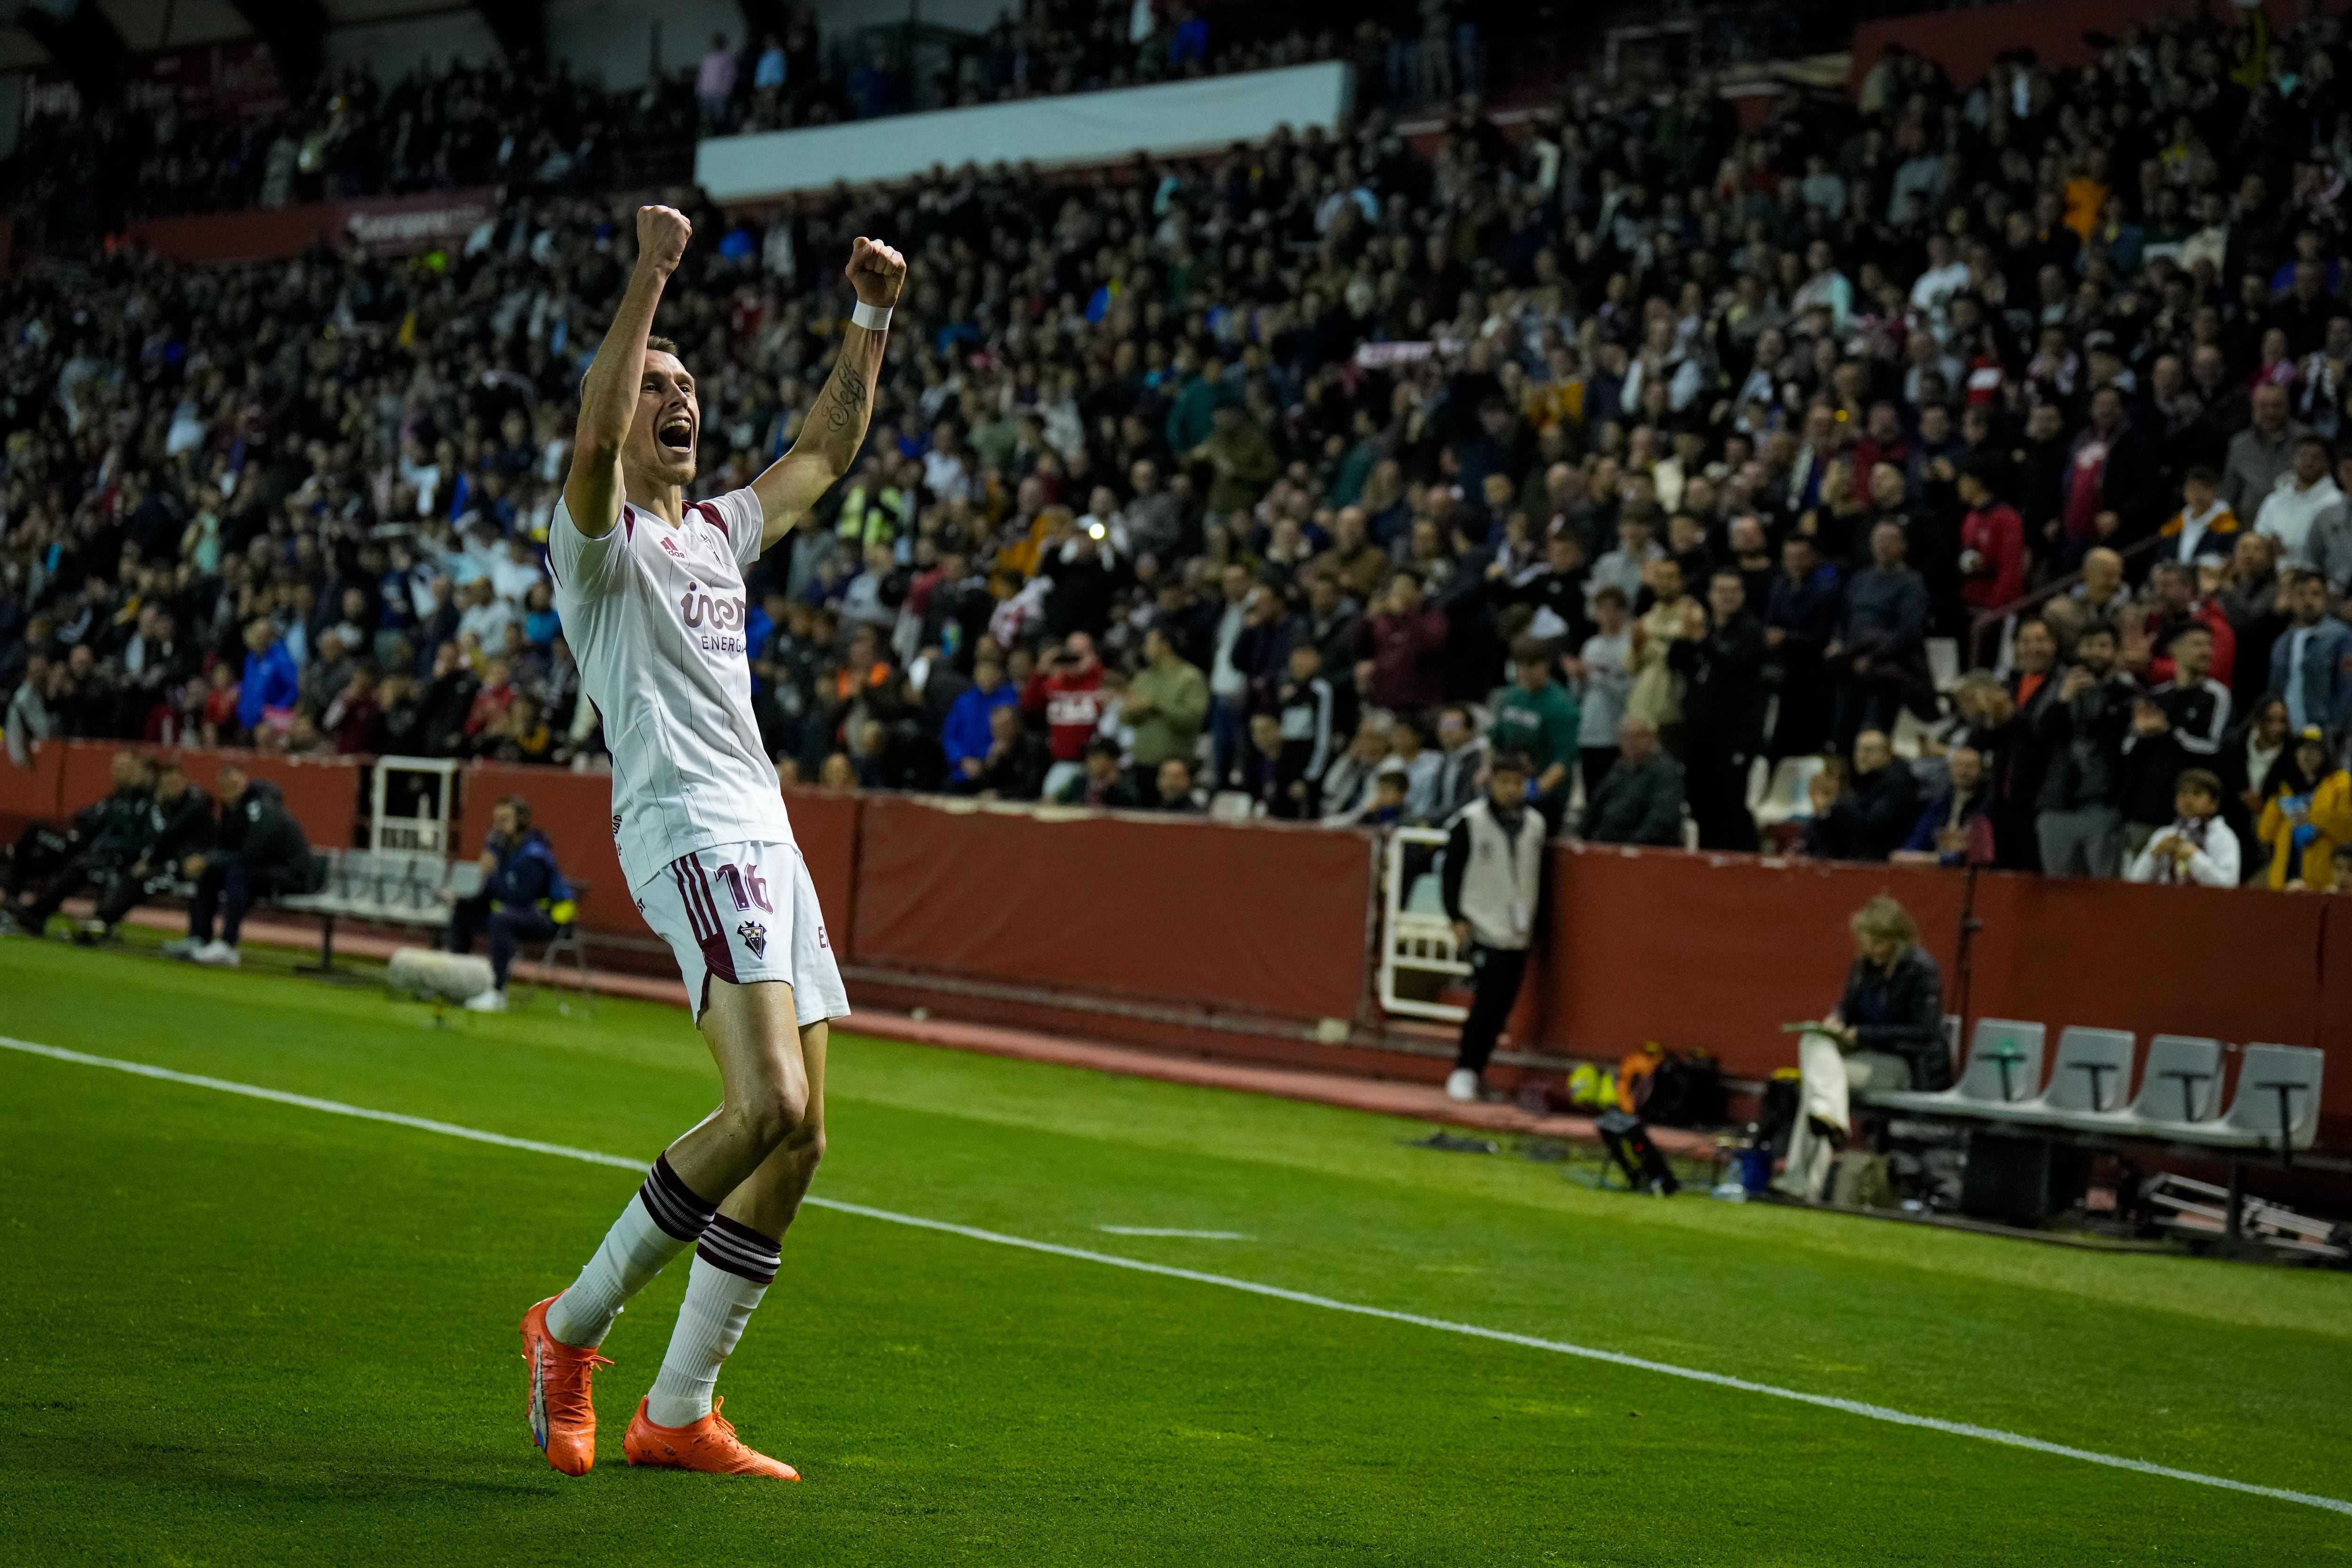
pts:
pixel 321 1476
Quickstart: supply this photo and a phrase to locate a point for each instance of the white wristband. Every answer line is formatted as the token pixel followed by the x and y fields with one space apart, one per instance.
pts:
pixel 873 317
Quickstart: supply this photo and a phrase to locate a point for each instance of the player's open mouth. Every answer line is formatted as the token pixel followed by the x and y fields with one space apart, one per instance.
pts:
pixel 676 435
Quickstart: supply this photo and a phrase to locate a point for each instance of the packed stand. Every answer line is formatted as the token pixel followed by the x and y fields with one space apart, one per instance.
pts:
pixel 522 127
pixel 1310 476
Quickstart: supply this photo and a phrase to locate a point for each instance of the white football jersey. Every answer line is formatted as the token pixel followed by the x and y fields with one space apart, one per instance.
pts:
pixel 655 619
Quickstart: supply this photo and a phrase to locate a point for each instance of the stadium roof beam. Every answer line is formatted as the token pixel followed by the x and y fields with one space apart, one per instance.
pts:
pixel 519 26
pixel 295 31
pixel 82 42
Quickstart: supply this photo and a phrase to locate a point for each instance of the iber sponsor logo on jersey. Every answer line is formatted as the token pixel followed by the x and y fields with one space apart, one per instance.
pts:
pixel 718 622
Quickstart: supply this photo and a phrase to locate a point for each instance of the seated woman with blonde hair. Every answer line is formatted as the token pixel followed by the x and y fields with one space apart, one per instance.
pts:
pixel 1886 1033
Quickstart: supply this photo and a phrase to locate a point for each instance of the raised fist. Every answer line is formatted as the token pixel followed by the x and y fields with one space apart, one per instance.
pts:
pixel 662 234
pixel 876 272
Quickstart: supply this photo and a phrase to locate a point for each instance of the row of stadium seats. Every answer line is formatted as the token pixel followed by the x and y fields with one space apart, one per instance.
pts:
pixel 395 886
pixel 388 887
pixel 2089 1090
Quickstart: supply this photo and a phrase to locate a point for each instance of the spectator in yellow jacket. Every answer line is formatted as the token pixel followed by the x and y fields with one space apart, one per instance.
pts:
pixel 2307 812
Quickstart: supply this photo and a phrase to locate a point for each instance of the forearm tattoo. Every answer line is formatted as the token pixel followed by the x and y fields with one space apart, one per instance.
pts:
pixel 843 404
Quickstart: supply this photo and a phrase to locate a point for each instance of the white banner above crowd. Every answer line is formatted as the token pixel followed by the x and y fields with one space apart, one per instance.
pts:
pixel 1168 119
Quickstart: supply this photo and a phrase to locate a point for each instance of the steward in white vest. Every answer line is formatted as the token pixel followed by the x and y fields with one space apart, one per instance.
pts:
pixel 1493 871
pixel 1493 882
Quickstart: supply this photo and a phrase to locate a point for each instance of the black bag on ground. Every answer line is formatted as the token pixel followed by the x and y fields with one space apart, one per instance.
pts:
pixel 1776 1115
pixel 1686 1091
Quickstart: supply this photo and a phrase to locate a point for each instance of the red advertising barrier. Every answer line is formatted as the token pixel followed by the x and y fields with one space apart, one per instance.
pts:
pixel 2240 964
pixel 827 825
pixel 1187 934
pixel 1254 918
pixel 31 794
pixel 1712 951
pixel 388 226
pixel 575 812
pixel 2335 1024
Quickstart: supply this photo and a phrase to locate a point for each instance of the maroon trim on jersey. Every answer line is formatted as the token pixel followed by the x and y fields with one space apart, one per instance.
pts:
pixel 628 524
pixel 703 920
pixel 708 511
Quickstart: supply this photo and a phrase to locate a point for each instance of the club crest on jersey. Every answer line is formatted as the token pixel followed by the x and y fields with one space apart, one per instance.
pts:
pixel 755 937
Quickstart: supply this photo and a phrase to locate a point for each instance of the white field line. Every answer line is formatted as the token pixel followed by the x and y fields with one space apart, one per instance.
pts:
pixel 1162 1230
pixel 1250 1287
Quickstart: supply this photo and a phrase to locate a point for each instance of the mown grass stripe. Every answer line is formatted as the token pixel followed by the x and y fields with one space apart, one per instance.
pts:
pixel 1223 1281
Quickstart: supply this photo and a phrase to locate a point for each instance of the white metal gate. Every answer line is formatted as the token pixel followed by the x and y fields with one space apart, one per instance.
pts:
pixel 1416 939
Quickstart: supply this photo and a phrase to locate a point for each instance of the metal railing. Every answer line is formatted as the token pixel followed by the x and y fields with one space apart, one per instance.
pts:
pixel 2003 619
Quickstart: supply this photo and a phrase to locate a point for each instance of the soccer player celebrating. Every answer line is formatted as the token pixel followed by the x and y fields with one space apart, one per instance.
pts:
pixel 650 587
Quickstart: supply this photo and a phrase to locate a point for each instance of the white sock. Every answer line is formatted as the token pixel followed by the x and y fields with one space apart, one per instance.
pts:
pixel 732 1269
pixel 663 1220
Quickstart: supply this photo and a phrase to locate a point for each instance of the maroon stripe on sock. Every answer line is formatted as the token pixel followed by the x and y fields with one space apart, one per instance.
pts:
pixel 677 1208
pixel 740 1250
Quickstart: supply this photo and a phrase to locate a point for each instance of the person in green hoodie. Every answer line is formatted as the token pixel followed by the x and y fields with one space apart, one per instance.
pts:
pixel 1536 716
pixel 1166 703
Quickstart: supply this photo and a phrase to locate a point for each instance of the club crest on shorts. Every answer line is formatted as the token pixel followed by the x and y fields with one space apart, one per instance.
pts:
pixel 755 937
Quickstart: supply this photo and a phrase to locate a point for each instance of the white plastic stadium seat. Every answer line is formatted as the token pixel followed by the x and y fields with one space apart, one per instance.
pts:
pixel 1944 662
pixel 2276 1105
pixel 2091 1074
pixel 2180 1086
pixel 2004 1067
pixel 1231 806
pixel 1785 798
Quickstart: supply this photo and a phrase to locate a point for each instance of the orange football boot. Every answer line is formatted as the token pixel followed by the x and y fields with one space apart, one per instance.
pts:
pixel 562 1414
pixel 709 1445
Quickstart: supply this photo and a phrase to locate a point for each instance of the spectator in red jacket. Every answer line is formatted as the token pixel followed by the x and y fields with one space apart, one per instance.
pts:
pixel 2173 608
pixel 1067 690
pixel 1403 643
pixel 1992 544
pixel 1882 439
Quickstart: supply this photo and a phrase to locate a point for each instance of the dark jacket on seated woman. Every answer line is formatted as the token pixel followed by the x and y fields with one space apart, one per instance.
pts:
pixel 1901 1013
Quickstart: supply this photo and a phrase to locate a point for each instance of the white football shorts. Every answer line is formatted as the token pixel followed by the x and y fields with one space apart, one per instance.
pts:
pixel 746 912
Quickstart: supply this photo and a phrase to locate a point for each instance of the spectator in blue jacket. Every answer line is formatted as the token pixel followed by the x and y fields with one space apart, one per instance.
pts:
pixel 1801 619
pixel 965 737
pixel 273 682
pixel 521 892
pixel 1879 658
pixel 2311 663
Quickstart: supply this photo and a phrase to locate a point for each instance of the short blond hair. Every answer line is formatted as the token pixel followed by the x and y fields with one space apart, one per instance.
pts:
pixel 1884 919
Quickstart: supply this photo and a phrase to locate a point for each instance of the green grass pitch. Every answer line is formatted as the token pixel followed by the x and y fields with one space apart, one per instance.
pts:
pixel 236 1332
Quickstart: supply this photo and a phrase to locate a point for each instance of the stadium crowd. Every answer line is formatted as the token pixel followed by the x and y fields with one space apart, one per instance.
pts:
pixel 1637 444
pixel 455 125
